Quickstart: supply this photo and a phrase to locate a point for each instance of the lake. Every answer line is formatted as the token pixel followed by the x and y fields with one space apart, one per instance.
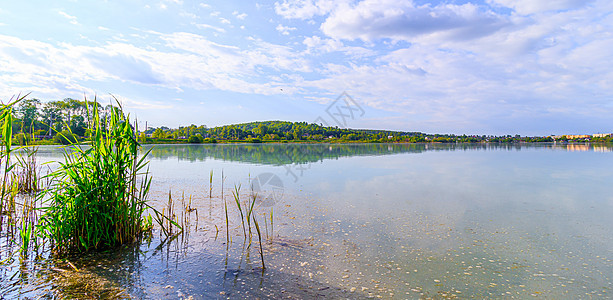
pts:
pixel 358 221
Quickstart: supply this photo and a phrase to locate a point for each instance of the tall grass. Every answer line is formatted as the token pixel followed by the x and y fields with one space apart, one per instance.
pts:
pixel 8 188
pixel 98 194
pixel 27 170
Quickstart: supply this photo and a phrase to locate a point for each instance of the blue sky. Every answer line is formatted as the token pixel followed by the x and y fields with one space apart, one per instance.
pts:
pixel 530 67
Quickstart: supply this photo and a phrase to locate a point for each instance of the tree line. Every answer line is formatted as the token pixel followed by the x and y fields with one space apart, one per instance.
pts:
pixel 57 121
pixel 63 120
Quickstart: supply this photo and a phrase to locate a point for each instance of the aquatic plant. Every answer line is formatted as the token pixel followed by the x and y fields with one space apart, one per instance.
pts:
pixel 236 194
pixel 26 170
pixel 8 189
pixel 225 205
pixel 98 194
pixel 211 185
pixel 167 219
pixel 257 227
pixel 250 206
pixel 271 224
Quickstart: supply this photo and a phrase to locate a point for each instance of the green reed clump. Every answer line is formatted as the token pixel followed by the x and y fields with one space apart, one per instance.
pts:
pixel 27 170
pixel 8 184
pixel 98 194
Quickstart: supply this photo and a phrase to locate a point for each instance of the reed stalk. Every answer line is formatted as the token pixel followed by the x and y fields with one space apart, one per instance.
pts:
pixel 236 194
pixel 225 205
pixel 257 227
pixel 211 185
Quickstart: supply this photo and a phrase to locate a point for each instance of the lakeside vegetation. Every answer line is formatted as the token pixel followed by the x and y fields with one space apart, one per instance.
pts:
pixel 66 121
pixel 95 199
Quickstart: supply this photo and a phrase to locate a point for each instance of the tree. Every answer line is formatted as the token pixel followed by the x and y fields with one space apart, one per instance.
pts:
pixel 65 137
pixel 51 116
pixel 158 134
pixel 261 130
pixel 28 112
pixel 78 125
pixel 195 139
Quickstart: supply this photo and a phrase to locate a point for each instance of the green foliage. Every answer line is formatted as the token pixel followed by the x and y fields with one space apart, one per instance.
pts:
pixel 22 139
pixel 27 112
pixel 78 125
pixel 97 199
pixel 195 139
pixel 65 137
pixel 159 134
pixel 143 137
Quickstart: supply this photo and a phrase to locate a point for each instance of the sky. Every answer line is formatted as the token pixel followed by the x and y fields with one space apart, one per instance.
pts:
pixel 529 67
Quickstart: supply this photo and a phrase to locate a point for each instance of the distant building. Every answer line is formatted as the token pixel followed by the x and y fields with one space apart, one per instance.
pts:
pixel 577 136
pixel 571 136
pixel 602 135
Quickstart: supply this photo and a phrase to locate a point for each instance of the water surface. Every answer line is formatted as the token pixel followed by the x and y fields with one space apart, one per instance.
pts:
pixel 363 220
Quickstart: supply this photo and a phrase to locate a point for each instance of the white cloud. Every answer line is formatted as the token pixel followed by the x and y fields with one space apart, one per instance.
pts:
pixel 240 16
pixel 534 6
pixel 284 29
pixel 72 19
pixel 142 104
pixel 204 5
pixel 224 21
pixel 305 9
pixel 555 67
pixel 207 26
pixel 195 63
pixel 401 20
pixel 316 45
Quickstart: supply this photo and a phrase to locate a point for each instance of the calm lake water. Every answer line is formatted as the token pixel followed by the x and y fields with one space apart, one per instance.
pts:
pixel 358 221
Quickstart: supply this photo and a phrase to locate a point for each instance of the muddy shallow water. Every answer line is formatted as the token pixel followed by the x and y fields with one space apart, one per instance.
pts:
pixel 358 221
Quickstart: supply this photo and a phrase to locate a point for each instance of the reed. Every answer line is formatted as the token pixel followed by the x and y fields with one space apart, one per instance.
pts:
pixel 236 194
pixel 13 223
pixel 211 185
pixel 257 228
pixel 27 170
pixel 7 197
pixel 225 205
pixel 167 219
pixel 98 194
pixel 250 206
pixel 271 225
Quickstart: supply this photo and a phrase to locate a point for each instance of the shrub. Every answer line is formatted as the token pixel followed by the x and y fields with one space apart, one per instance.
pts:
pixel 195 139
pixel 22 139
pixel 65 137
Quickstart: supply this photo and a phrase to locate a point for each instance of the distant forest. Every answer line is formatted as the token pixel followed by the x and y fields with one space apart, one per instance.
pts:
pixel 57 122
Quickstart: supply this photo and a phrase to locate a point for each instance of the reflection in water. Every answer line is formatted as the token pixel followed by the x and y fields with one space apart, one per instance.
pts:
pixel 366 220
pixel 282 154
